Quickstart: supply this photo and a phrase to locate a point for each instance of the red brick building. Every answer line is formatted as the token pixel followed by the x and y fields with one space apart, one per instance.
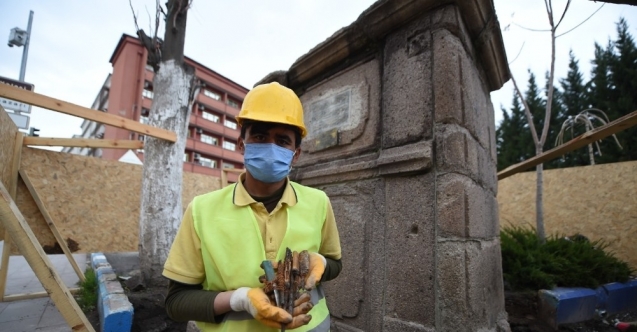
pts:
pixel 128 92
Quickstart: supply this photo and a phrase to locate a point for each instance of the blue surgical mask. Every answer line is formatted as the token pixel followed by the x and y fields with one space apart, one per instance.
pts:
pixel 267 162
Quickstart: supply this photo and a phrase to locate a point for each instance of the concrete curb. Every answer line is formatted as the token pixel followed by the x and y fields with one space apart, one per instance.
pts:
pixel 571 305
pixel 115 311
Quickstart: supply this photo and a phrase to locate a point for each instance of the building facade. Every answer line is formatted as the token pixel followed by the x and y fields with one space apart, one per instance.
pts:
pixel 128 92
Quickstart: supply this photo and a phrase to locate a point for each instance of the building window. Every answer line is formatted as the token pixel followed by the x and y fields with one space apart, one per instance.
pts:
pixel 209 139
pixel 229 146
pixel 206 162
pixel 210 117
pixel 143 120
pixel 232 103
pixel 141 138
pixel 230 124
pixel 186 157
pixel 212 94
pixel 228 165
pixel 147 94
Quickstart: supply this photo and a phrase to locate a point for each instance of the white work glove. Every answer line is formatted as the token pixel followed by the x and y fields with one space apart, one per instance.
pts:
pixel 257 304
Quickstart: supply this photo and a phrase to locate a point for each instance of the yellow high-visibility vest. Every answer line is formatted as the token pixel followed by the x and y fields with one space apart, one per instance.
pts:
pixel 232 249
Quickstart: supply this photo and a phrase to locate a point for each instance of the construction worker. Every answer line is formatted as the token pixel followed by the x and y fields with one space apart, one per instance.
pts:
pixel 214 263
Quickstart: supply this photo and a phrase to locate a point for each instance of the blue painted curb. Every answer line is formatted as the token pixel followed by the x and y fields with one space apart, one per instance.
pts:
pixel 571 305
pixel 115 311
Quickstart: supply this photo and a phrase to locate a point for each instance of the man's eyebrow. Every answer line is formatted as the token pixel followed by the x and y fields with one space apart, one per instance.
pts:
pixel 258 131
pixel 285 136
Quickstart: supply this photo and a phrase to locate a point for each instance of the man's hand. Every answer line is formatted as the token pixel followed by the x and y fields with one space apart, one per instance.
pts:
pixel 317 267
pixel 257 304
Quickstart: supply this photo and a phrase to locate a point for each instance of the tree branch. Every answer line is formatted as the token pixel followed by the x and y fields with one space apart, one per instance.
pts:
pixel 527 110
pixel 549 98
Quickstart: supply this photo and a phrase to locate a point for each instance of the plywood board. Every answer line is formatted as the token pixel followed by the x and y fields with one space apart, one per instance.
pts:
pixel 8 132
pixel 94 202
pixel 598 202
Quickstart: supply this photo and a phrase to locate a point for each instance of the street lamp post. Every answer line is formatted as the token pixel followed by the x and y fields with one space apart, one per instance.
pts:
pixel 19 37
pixel 25 52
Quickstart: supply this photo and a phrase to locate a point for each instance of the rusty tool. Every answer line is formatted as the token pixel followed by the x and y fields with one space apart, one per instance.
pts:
pixel 288 283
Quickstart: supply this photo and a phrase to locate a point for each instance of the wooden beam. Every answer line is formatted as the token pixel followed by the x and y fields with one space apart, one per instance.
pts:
pixel 13 191
pixel 36 295
pixel 52 225
pixel 84 142
pixel 14 222
pixel 36 99
pixel 588 137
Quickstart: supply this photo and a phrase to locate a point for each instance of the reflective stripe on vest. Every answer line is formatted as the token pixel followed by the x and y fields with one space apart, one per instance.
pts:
pixel 232 247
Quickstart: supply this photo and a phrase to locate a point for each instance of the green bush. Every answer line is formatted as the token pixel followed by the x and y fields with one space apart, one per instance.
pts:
pixel 87 295
pixel 560 262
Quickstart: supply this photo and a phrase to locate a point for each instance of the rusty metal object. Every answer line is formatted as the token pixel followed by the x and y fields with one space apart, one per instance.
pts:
pixel 288 283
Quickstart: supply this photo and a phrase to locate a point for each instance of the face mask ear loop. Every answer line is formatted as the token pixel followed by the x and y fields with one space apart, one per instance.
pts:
pixel 294 154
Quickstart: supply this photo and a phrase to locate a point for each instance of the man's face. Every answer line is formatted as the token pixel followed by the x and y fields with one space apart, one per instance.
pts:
pixel 279 135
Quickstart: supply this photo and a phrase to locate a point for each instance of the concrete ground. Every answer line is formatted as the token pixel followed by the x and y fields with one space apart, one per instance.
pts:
pixel 35 314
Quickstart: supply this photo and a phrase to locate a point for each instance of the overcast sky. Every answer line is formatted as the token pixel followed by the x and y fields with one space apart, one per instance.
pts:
pixel 244 40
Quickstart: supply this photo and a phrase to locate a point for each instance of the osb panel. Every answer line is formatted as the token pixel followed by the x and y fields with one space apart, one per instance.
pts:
pixel 598 201
pixel 8 131
pixel 92 201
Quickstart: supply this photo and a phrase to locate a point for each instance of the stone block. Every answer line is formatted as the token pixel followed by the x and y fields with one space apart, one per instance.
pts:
pixel 447 78
pixel 487 170
pixel 98 260
pixel 465 209
pixel 476 102
pixel 450 205
pixel 407 88
pixel 116 314
pixel 397 325
pixel 357 294
pixel 620 297
pixel 409 235
pixel 485 289
pixel 481 213
pixel 566 305
pixel 451 280
pixel 451 149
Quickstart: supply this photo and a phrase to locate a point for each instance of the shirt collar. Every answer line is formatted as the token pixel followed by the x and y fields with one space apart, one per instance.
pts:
pixel 242 198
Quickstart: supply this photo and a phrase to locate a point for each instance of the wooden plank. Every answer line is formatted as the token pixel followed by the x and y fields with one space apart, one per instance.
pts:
pixel 36 99
pixel 84 142
pixel 51 223
pixel 21 233
pixel 36 295
pixel 13 190
pixel 623 123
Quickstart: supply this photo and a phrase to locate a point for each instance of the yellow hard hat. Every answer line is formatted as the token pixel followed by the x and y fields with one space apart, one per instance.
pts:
pixel 273 102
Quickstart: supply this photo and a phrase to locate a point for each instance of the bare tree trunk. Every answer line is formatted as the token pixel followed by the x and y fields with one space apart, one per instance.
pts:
pixel 539 199
pixel 161 209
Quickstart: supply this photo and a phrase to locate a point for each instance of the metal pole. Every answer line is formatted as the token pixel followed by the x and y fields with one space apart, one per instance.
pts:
pixel 25 52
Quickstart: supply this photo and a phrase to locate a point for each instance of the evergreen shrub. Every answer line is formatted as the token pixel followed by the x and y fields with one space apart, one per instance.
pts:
pixel 561 261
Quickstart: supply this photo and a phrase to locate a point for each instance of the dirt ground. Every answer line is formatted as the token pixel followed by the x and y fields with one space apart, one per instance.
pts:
pixel 150 315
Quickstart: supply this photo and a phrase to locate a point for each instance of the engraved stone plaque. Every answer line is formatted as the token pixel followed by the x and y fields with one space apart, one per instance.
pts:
pixel 329 112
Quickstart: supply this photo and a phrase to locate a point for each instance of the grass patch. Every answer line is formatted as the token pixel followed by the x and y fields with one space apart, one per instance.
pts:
pixel 87 295
pixel 560 262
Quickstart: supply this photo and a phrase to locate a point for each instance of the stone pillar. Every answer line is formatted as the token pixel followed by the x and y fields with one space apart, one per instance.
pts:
pixel 402 139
